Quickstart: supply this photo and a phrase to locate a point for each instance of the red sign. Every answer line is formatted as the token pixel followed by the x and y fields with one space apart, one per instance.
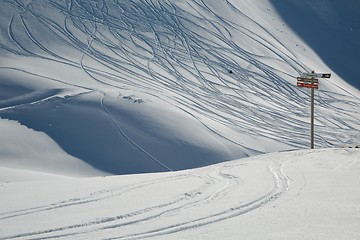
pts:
pixel 308 80
pixel 308 85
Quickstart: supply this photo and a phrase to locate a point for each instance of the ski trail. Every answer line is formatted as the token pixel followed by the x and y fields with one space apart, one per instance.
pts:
pixel 213 187
pixel 128 138
pixel 183 53
pixel 281 185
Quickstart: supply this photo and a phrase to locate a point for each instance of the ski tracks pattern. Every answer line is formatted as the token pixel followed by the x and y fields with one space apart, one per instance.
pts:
pixel 223 188
pixel 185 48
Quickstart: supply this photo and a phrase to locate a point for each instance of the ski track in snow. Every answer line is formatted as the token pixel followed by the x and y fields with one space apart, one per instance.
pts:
pixel 128 138
pixel 217 182
pixel 153 47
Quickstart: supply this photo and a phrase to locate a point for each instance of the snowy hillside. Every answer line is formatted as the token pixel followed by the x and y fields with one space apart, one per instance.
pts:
pixel 148 86
pixel 193 104
pixel 326 25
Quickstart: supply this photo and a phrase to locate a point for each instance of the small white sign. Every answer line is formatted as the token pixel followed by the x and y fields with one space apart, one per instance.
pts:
pixel 316 75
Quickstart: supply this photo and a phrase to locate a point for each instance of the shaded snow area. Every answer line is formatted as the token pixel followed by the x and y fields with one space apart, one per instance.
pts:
pixel 325 25
pixel 178 119
pixel 152 86
pixel 292 195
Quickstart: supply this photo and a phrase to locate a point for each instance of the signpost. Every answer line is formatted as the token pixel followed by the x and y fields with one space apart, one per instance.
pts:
pixel 315 75
pixel 309 80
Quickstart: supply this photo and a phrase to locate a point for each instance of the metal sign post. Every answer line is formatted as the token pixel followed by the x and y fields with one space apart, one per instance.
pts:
pixel 308 80
pixel 312 119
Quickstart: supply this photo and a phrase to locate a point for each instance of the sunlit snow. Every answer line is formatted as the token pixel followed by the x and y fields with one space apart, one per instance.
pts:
pixel 90 89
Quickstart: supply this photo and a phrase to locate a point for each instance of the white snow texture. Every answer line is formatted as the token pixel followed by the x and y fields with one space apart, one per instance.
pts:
pixel 178 119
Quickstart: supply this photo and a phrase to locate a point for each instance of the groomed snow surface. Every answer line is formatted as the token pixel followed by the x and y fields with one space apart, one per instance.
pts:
pixel 122 119
pixel 291 195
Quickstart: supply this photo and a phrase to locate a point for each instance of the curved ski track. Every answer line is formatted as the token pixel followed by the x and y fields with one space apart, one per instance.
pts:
pixel 188 50
pixel 218 189
pixel 157 47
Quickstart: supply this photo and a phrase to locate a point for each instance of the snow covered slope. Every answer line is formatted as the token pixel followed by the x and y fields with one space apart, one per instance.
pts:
pixel 93 88
pixel 326 25
pixel 148 86
pixel 294 195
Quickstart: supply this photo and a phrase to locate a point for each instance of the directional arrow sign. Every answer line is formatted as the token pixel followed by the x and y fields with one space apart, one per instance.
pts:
pixel 308 85
pixel 307 80
pixel 316 75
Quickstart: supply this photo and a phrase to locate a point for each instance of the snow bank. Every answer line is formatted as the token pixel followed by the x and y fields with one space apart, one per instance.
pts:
pixel 24 148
